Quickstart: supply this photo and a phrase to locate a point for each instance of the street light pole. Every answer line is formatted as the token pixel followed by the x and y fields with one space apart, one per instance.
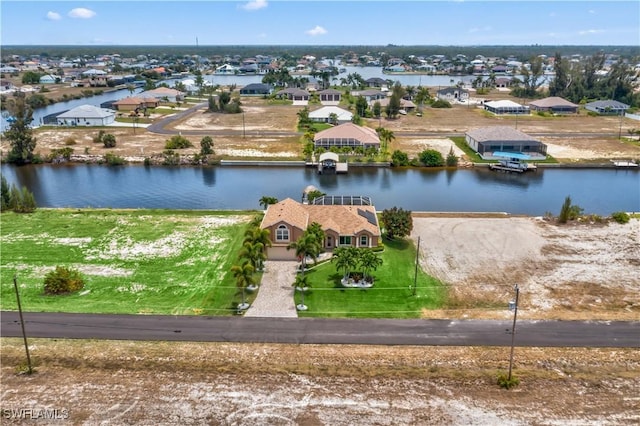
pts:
pixel 513 329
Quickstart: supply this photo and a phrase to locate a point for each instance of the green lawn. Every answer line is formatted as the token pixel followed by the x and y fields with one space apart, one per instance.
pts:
pixel 134 261
pixel 390 297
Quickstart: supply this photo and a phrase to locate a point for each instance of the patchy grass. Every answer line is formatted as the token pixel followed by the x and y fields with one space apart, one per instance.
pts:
pixel 390 297
pixel 134 261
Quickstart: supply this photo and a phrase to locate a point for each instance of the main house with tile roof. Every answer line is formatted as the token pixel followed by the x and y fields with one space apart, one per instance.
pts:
pixel 347 134
pixel 343 225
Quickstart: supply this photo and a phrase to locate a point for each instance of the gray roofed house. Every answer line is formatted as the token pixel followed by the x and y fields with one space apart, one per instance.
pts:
pixel 487 140
pixel 256 89
pixel 555 105
pixel 86 115
pixel 330 96
pixel 369 95
pixel 376 82
pixel 452 94
pixel 324 114
pixel 607 107
pixel 505 106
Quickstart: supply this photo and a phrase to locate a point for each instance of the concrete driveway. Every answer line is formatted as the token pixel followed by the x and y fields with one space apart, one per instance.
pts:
pixel 275 296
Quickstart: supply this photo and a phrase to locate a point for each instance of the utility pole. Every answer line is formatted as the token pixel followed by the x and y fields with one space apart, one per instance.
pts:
pixel 24 334
pixel 513 329
pixel 243 128
pixel 415 275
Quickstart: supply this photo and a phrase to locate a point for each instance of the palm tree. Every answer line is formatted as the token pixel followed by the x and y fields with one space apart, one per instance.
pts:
pixel 259 239
pixel 302 284
pixel 385 136
pixel 266 200
pixel 253 253
pixel 369 261
pixel 345 259
pixel 307 245
pixel 244 277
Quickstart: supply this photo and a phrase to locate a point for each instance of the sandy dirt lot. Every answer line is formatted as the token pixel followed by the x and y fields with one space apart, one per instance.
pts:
pixel 573 271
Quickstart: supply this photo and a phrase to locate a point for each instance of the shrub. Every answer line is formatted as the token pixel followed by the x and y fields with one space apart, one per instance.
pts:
pixel 452 159
pixel 178 142
pixel 114 160
pixel 206 146
pixel 69 141
pixel 170 158
pixel 63 280
pixel 147 161
pixel 505 382
pixel 20 201
pixel 109 140
pixel 620 217
pixel 98 138
pixel 569 211
pixel 431 158
pixel 399 158
pixel 440 103
pixel 59 154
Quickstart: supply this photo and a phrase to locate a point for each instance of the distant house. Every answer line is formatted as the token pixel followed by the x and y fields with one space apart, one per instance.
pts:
pixel 48 79
pixel 323 114
pixel 353 225
pixel 163 94
pixel 9 70
pixel 505 107
pixel 404 104
pixel 349 135
pixel 369 95
pixel 227 69
pixel 487 140
pixel 86 115
pixel 555 105
pixel 376 82
pixel 132 103
pixel 294 94
pixel 330 96
pixel 607 107
pixel 503 82
pixel 256 89
pixel 451 94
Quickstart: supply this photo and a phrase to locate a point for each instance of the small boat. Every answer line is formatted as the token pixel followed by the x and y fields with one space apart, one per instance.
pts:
pixel 624 163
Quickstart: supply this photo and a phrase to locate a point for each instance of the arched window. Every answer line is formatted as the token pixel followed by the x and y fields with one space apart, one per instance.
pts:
pixel 282 233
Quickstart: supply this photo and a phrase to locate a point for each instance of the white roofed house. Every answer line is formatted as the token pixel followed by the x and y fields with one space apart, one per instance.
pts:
pixel 323 115
pixel 607 107
pixel 86 115
pixel 452 94
pixel 505 107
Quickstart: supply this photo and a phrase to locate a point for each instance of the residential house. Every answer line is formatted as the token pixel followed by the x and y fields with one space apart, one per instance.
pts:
pixel 555 105
pixel 95 77
pixel 505 107
pixel 404 104
pixel 294 94
pixel 323 115
pixel 370 95
pixel 48 79
pixel 451 94
pixel 330 96
pixel 227 69
pixel 349 135
pixel 487 140
pixel 607 107
pixel 343 226
pixel 256 89
pixel 132 103
pixel 86 115
pixel 376 82
pixel 163 94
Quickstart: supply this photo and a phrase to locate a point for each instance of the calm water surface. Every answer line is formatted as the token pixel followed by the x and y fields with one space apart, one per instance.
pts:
pixel 598 191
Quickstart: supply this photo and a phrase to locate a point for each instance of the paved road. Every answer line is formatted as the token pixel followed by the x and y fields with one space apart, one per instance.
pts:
pixel 324 331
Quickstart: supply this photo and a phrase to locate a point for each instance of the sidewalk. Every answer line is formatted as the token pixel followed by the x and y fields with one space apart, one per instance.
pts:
pixel 275 296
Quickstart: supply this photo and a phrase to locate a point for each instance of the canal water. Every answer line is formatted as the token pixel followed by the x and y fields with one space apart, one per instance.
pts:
pixel 598 191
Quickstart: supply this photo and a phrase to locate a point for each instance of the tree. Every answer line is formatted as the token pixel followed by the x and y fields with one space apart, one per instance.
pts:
pixel 178 142
pixel 397 222
pixel 385 136
pixel 20 133
pixel 206 146
pixel 266 200
pixel 452 158
pixel 377 109
pixel 312 195
pixel 361 106
pixel 243 275
pixel 399 158
pixel 5 194
pixel 333 118
pixel 568 211
pixel 259 238
pixel 345 259
pixel 301 283
pixel 369 262
pixel 31 77
pixel 254 253
pixel 431 158
pixel 306 246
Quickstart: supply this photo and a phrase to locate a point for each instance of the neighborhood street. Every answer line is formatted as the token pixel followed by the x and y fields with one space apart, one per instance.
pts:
pixel 324 331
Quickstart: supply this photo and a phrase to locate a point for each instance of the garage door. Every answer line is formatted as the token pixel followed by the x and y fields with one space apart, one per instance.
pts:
pixel 280 253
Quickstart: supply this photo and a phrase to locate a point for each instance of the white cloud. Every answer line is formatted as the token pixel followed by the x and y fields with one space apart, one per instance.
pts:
pixel 255 5
pixel 53 16
pixel 317 30
pixel 81 13
pixel 589 32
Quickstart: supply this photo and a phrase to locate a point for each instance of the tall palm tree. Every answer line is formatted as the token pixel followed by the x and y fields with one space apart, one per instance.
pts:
pixel 266 200
pixel 259 239
pixel 385 136
pixel 306 246
pixel 301 283
pixel 345 259
pixel 244 277
pixel 253 253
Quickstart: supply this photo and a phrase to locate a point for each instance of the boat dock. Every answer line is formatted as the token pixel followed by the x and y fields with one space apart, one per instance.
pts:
pixel 512 162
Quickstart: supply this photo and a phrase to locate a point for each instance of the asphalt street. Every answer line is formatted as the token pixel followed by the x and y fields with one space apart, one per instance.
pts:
pixel 324 331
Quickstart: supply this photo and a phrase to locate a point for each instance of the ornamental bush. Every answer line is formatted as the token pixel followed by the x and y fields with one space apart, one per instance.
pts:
pixel 178 142
pixel 63 280
pixel 620 217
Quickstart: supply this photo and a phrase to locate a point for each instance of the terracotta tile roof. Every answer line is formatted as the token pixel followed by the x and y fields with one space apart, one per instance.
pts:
pixel 345 220
pixel 131 101
pixel 364 135
pixel 287 210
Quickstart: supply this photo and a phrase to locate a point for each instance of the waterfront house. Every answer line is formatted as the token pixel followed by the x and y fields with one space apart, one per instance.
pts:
pixel 607 107
pixel 349 135
pixel 86 115
pixel 132 103
pixel 330 96
pixel 343 225
pixel 555 105
pixel 227 69
pixel 487 140
pixel 256 89
pixel 376 82
pixel 451 94
pixel 164 94
pixel 323 115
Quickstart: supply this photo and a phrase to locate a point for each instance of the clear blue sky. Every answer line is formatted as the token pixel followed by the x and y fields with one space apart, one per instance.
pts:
pixel 278 22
